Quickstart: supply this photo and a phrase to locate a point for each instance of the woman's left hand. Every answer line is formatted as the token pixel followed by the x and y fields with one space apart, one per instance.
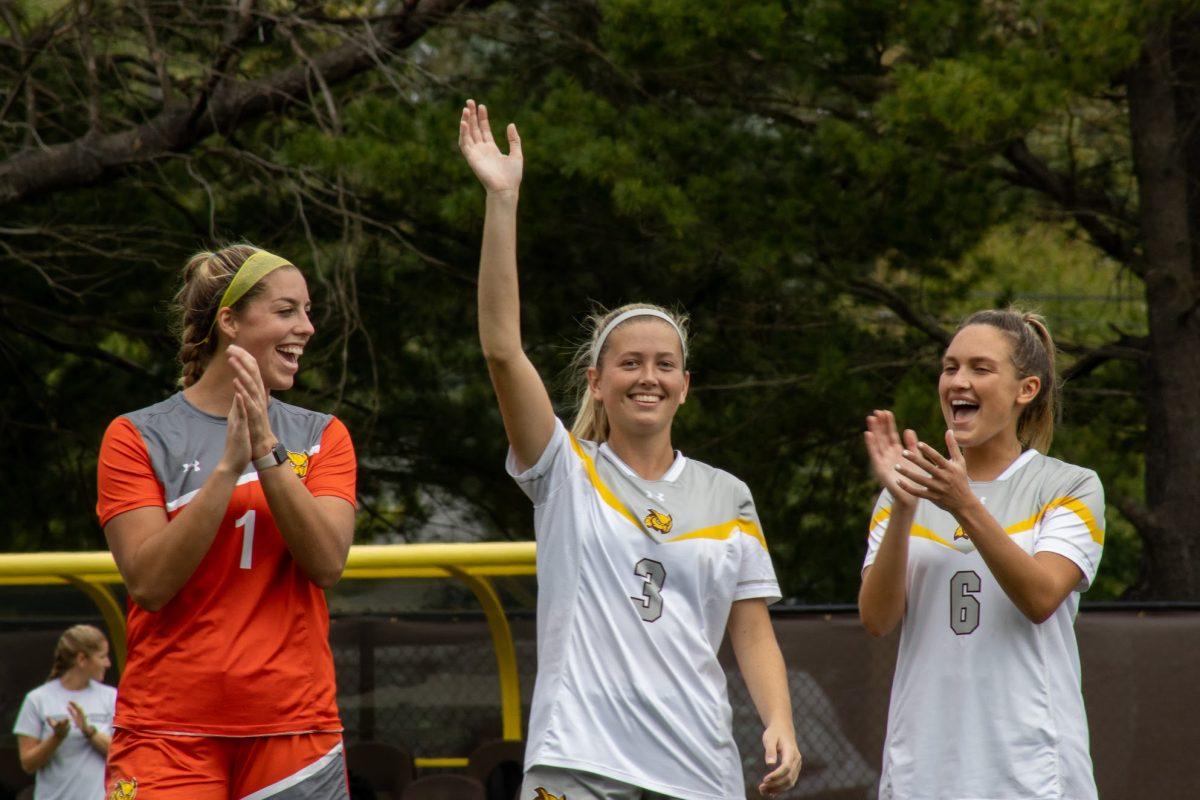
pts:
pixel 248 385
pixel 781 752
pixel 78 717
pixel 943 481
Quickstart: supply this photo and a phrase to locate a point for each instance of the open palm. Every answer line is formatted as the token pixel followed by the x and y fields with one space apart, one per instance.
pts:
pixel 496 171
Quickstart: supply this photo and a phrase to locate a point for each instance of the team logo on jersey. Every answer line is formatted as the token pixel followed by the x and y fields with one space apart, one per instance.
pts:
pixel 658 521
pixel 124 789
pixel 959 533
pixel 299 462
pixel 542 794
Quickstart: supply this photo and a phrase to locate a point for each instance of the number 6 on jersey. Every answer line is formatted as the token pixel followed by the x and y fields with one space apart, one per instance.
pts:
pixel 964 607
pixel 650 604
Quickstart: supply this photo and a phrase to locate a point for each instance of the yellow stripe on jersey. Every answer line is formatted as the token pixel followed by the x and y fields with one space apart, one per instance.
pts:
pixel 1073 504
pixel 605 493
pixel 722 531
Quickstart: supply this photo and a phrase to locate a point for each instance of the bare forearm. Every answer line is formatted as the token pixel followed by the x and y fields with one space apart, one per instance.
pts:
pixel 318 544
pixel 33 757
pixel 1031 587
pixel 499 296
pixel 163 563
pixel 761 663
pixel 100 742
pixel 883 595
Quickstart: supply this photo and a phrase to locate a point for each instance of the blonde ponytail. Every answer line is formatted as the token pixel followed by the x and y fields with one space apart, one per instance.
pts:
pixel 1033 353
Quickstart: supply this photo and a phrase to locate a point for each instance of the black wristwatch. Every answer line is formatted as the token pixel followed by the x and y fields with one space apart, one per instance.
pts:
pixel 274 457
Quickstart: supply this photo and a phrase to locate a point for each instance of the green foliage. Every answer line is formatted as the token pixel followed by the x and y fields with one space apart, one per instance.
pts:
pixel 748 161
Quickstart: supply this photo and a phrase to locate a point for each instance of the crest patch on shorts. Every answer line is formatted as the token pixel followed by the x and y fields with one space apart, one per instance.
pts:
pixel 124 789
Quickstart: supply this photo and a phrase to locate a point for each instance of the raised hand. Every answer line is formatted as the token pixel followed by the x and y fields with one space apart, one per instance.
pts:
pixel 249 388
pixel 929 474
pixel 78 716
pixel 496 171
pixel 886 451
pixel 237 438
pixel 61 727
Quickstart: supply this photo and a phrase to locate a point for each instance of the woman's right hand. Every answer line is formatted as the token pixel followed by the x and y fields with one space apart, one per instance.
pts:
pixel 237 438
pixel 61 727
pixel 886 450
pixel 496 171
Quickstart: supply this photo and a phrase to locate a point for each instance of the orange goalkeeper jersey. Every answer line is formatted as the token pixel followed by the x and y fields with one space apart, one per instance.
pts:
pixel 243 648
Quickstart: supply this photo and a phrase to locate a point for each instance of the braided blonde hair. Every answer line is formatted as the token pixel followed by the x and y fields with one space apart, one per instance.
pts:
pixel 206 276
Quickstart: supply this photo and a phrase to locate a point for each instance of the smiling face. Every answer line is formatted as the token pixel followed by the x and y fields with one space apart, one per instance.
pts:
pixel 274 326
pixel 981 394
pixel 94 665
pixel 641 379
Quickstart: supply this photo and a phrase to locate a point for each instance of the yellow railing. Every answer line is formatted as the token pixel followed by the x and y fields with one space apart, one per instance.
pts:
pixel 473 564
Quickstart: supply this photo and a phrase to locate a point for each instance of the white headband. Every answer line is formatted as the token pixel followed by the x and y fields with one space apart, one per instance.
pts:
pixel 630 314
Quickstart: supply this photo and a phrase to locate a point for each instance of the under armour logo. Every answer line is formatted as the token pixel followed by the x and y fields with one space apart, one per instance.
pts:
pixel 656 496
pixel 194 466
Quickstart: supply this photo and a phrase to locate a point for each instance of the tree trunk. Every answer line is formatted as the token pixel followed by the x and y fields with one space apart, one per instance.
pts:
pixel 1164 89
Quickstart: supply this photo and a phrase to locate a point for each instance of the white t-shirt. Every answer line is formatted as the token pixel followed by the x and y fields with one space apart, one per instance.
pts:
pixel 635 582
pixel 985 704
pixel 76 770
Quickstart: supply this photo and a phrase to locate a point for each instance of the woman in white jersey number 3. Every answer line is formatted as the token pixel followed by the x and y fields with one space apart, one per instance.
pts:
pixel 644 557
pixel 981 556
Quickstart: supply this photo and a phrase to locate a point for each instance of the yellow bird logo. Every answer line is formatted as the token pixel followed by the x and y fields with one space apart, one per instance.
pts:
pixel 124 789
pixel 658 521
pixel 542 794
pixel 959 533
pixel 299 462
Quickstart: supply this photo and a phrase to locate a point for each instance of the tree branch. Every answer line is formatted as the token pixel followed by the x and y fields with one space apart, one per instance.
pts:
pixel 876 292
pixel 1092 212
pixel 178 127
pixel 1126 348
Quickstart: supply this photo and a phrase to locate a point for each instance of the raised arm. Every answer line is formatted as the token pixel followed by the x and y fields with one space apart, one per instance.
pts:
pixel 318 531
pixel 1037 584
pixel 883 595
pixel 156 556
pixel 524 403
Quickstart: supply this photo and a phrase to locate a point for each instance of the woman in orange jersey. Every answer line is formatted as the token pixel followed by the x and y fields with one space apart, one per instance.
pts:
pixel 228 512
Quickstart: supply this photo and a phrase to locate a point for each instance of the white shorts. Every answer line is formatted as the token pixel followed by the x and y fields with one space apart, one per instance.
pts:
pixel 554 783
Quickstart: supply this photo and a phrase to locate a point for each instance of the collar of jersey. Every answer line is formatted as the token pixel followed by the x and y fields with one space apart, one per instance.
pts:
pixel 673 472
pixel 1014 467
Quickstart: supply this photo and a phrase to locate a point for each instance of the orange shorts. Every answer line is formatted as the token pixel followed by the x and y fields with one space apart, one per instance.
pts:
pixel 153 766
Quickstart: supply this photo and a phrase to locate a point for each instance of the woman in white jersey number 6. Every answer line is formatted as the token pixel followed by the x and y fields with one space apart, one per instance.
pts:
pixel 982 556
pixel 645 558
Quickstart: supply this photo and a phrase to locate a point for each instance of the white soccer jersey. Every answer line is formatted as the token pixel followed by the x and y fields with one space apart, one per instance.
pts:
pixel 985 704
pixel 635 582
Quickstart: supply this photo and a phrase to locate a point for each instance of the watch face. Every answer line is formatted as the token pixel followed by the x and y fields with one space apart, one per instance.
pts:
pixel 280 452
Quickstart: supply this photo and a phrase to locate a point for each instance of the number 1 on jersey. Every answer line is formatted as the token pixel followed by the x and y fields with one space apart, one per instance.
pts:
pixel 650 604
pixel 246 522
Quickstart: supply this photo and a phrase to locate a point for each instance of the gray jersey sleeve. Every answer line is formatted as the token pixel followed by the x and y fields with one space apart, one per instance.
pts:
pixel 756 575
pixel 1073 527
pixel 877 526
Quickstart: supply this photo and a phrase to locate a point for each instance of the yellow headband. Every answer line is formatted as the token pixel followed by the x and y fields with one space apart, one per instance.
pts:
pixel 253 269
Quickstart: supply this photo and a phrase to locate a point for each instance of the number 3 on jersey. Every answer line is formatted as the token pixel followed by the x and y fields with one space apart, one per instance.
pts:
pixel 964 607
pixel 649 605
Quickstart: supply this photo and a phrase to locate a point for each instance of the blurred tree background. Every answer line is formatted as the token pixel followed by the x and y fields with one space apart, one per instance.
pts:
pixel 825 186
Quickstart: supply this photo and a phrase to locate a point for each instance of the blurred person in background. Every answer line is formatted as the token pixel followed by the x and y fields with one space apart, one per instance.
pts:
pixel 64 726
